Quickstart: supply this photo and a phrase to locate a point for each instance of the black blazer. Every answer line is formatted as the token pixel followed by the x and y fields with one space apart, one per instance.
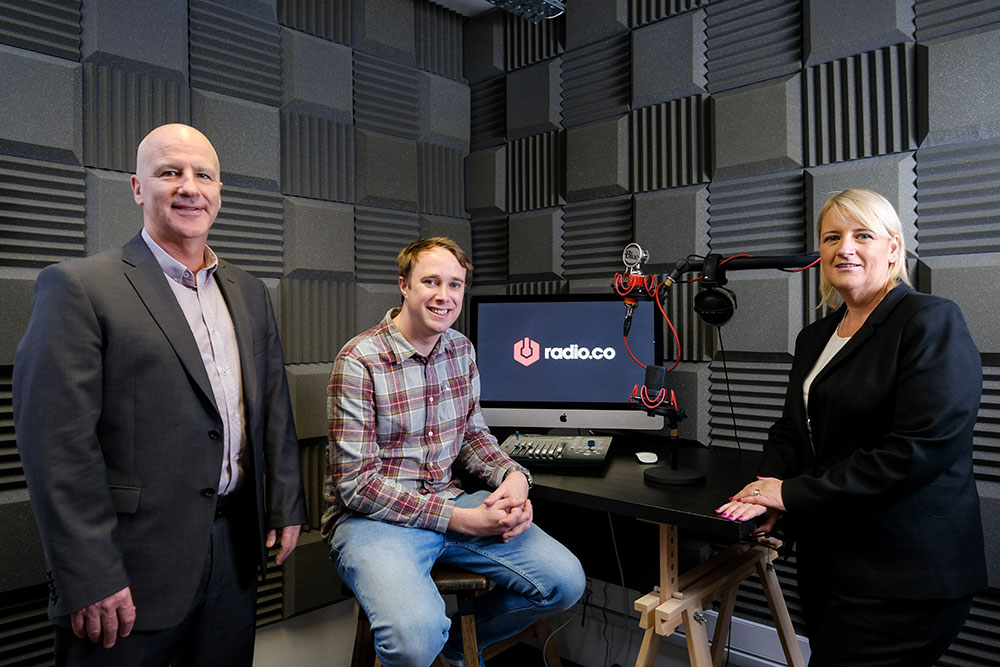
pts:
pixel 118 431
pixel 882 496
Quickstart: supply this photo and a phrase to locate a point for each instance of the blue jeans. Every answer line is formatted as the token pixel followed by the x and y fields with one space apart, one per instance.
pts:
pixel 388 567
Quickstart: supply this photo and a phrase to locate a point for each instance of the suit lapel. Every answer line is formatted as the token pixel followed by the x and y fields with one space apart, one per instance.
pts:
pixel 150 284
pixel 239 312
pixel 867 330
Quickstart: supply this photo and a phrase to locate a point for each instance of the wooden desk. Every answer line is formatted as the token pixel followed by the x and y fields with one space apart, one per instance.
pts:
pixel 618 486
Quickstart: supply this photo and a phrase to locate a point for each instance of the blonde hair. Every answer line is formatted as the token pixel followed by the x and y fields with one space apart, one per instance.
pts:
pixel 407 257
pixel 874 212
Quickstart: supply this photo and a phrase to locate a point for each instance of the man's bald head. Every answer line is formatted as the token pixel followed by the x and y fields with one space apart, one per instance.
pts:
pixel 169 133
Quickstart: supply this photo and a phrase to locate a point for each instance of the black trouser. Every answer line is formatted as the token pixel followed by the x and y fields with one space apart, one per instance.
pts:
pixel 851 631
pixel 217 632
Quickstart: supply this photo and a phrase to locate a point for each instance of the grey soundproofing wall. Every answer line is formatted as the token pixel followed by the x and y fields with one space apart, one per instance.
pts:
pixel 342 128
pixel 347 128
pixel 697 126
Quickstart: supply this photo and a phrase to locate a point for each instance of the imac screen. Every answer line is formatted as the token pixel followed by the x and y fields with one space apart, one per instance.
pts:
pixel 561 361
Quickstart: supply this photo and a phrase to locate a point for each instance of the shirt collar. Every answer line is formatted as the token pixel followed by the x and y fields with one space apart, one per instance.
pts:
pixel 175 270
pixel 402 349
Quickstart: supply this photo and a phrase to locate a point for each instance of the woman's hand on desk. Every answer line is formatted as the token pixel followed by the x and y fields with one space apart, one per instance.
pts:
pixel 760 497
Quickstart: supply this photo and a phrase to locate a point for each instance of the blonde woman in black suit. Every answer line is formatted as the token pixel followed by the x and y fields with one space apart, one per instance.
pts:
pixel 869 468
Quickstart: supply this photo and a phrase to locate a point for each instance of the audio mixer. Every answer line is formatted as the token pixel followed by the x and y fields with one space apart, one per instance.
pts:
pixel 531 449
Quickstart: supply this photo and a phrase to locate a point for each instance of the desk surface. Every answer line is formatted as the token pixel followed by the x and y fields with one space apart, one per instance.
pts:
pixel 618 487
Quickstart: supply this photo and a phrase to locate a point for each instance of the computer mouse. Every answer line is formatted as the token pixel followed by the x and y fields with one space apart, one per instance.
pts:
pixel 646 457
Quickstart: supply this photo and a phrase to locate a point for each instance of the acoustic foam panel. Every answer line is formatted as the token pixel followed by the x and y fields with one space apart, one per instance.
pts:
pixel 306 382
pixel 379 235
pixel 16 295
pixel 597 159
pixel 438 39
pixel 112 217
pixel 386 171
pixel 42 216
pixel 767 317
pixel 961 83
pixel 322 18
pixel 751 41
pixel 860 106
pixel 490 250
pixel 316 76
pixel 934 18
pixel 51 27
pixel 149 45
pixel 445 111
pixel 862 26
pixel 891 176
pixel 594 20
pixel 951 275
pixel 248 231
pixel 959 202
pixel 319 239
pixel 234 53
pixel 760 214
pixel 649 11
pixel 528 43
pixel 371 302
pixel 386 97
pixel 668 59
pixel 317 318
pixel 245 135
pixel 758 128
pixel 456 229
pixel 671 224
pixel 753 390
pixel 595 81
pixel 672 144
pixel 535 172
pixel 40 117
pixel 534 99
pixel 25 550
pixel 594 234
pixel 483 47
pixel 486 181
pixel 317 157
pixel 384 28
pixel 488 113
pixel 536 245
pixel 120 107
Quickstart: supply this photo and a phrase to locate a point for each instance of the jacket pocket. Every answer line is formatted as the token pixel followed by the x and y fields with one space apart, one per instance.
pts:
pixel 126 498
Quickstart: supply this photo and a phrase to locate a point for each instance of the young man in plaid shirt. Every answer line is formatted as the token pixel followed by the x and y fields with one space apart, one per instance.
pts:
pixel 404 409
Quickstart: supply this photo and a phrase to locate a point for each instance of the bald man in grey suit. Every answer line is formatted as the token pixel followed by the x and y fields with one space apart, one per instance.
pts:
pixel 153 420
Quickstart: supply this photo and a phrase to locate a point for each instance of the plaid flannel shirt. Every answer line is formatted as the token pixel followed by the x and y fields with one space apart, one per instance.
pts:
pixel 398 421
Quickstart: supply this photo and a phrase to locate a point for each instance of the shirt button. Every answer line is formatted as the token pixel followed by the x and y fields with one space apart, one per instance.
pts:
pixel 431 399
pixel 430 433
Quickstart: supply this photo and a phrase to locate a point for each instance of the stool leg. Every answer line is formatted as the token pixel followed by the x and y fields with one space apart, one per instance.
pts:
pixel 364 643
pixel 467 611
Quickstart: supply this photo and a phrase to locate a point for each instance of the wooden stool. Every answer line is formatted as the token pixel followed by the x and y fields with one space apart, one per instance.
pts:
pixel 464 585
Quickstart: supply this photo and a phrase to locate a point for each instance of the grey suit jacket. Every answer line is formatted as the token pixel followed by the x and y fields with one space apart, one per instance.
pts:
pixel 120 436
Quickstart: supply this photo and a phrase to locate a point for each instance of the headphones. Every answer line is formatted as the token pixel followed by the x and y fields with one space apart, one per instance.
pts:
pixel 715 305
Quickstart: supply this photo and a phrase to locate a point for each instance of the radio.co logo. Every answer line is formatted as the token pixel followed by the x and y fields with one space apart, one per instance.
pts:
pixel 527 352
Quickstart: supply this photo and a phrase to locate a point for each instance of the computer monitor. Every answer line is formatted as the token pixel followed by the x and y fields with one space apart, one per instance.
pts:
pixel 559 361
